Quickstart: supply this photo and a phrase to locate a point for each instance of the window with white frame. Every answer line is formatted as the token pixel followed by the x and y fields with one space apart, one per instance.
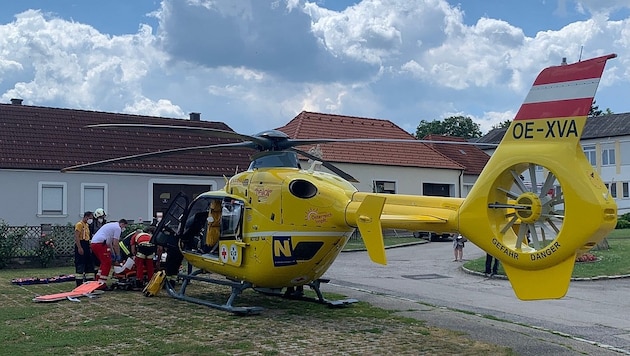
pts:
pixel 591 154
pixel 626 192
pixel 52 198
pixel 608 156
pixel 612 187
pixel 383 186
pixel 93 196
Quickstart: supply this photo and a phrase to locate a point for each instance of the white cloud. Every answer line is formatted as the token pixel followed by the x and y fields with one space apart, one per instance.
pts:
pixel 255 64
pixel 73 63
pixel 161 108
pixel 602 6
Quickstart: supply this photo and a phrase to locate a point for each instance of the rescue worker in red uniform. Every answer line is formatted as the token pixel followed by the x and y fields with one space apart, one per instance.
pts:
pixel 104 242
pixel 144 252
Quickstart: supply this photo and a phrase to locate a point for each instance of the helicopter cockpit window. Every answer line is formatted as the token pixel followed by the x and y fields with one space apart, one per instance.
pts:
pixel 231 217
pixel 276 159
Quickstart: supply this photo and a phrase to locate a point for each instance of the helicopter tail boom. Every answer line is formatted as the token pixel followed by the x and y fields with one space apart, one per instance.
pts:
pixel 539 202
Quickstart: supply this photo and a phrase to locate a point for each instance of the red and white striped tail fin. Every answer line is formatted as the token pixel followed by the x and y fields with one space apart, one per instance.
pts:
pixel 563 96
pixel 564 91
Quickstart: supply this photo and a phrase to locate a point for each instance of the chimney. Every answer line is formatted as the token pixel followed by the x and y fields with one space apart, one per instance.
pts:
pixel 195 116
pixel 564 61
pixel 16 101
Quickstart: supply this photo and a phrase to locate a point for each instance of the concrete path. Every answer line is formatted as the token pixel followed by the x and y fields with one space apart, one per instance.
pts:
pixel 422 280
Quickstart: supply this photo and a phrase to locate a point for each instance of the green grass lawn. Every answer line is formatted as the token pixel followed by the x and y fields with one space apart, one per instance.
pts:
pixel 128 323
pixel 611 262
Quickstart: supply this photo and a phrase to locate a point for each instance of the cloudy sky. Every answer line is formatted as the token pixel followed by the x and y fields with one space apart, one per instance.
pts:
pixel 255 64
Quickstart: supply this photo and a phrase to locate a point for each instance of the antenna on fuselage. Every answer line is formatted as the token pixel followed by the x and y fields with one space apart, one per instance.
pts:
pixel 314 165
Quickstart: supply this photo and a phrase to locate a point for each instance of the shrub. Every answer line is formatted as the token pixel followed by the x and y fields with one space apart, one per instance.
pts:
pixel 622 223
pixel 130 229
pixel 46 250
pixel 10 242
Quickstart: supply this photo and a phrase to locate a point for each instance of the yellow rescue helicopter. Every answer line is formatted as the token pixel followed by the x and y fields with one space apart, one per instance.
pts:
pixel 277 227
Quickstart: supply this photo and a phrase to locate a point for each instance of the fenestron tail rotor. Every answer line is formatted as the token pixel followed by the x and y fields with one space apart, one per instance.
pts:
pixel 535 212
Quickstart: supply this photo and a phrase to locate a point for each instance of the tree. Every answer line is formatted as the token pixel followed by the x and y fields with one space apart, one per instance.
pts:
pixel 426 128
pixel 502 125
pixel 458 126
pixel 595 112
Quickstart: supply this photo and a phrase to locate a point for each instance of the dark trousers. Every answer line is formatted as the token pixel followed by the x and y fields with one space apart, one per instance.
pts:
pixel 495 268
pixel 83 263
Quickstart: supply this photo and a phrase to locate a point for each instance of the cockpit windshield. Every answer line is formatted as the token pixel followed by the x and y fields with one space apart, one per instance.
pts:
pixel 286 159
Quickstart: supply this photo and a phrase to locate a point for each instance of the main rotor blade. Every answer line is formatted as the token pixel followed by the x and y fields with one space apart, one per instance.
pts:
pixel 265 142
pixel 160 153
pixel 212 132
pixel 328 165
pixel 311 141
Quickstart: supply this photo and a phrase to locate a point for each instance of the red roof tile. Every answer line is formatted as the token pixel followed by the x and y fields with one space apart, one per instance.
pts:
pixel 42 138
pixel 469 156
pixel 413 154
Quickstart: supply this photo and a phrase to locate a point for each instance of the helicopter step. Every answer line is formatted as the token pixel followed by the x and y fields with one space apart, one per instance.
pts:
pixel 297 293
pixel 237 288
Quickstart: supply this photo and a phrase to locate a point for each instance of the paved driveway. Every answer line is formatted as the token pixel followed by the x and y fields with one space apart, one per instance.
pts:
pixel 422 280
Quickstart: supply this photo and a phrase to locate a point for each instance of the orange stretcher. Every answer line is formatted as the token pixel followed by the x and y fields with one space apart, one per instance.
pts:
pixel 87 289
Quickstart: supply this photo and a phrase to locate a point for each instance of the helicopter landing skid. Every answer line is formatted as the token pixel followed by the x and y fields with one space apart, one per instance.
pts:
pixel 297 293
pixel 237 288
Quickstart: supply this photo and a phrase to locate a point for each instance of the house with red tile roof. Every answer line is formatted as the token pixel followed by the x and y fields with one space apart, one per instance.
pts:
pixel 393 167
pixel 37 142
pixel 472 157
pixel 605 141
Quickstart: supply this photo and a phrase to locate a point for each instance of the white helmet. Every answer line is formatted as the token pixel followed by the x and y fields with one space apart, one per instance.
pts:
pixel 99 212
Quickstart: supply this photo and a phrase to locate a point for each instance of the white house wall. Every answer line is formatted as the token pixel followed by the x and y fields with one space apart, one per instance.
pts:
pixel 618 173
pixel 409 180
pixel 128 196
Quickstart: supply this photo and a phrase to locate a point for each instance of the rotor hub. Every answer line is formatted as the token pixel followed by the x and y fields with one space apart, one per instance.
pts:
pixel 529 207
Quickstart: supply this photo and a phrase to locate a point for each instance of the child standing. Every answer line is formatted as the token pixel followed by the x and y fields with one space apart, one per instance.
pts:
pixel 458 247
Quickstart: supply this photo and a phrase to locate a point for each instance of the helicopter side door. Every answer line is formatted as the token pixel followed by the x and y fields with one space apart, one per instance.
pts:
pixel 165 234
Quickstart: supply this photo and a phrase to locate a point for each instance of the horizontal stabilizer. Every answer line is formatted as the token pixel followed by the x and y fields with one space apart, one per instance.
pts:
pixel 369 223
